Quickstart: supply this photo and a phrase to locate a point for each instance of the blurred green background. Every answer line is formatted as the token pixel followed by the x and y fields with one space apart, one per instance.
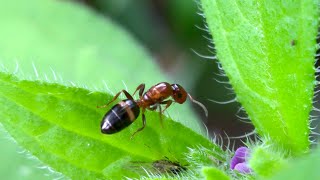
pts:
pixel 170 30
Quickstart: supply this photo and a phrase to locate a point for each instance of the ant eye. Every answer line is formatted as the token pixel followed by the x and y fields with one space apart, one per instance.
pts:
pixel 179 94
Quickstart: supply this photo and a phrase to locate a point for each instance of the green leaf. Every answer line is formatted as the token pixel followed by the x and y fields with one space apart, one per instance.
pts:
pixel 60 125
pixel 306 167
pixel 214 174
pixel 80 46
pixel 266 160
pixel 267 50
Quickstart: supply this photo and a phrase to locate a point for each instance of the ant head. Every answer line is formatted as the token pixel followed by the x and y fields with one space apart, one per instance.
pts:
pixel 179 94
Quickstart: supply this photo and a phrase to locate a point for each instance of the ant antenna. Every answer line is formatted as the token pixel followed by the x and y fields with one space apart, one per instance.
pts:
pixel 200 104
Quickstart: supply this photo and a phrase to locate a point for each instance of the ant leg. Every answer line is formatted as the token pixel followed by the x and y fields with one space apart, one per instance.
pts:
pixel 168 103
pixel 154 107
pixel 115 97
pixel 143 124
pixel 161 121
pixel 140 88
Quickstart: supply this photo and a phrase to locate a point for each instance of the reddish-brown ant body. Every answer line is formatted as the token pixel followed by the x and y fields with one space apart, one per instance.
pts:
pixel 126 111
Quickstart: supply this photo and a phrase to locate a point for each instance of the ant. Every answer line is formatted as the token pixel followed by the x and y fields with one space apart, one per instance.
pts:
pixel 126 111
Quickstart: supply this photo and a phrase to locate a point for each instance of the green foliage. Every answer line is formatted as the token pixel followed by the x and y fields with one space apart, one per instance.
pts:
pixel 214 174
pixel 201 157
pixel 301 168
pixel 265 160
pixel 89 50
pixel 18 165
pixel 60 126
pixel 267 50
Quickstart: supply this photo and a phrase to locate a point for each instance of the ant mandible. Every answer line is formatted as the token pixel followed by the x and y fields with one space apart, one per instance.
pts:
pixel 126 111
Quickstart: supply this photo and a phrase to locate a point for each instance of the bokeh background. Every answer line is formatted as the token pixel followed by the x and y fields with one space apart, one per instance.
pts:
pixel 171 30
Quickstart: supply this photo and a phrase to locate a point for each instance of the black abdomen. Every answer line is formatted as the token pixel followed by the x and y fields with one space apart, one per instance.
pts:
pixel 120 116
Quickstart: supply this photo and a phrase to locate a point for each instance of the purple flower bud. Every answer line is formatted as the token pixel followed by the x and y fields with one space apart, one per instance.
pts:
pixel 239 160
pixel 243 168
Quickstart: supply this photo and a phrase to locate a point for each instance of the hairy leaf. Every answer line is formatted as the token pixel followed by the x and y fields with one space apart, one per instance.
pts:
pixel 61 126
pixel 267 50
pixel 211 173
